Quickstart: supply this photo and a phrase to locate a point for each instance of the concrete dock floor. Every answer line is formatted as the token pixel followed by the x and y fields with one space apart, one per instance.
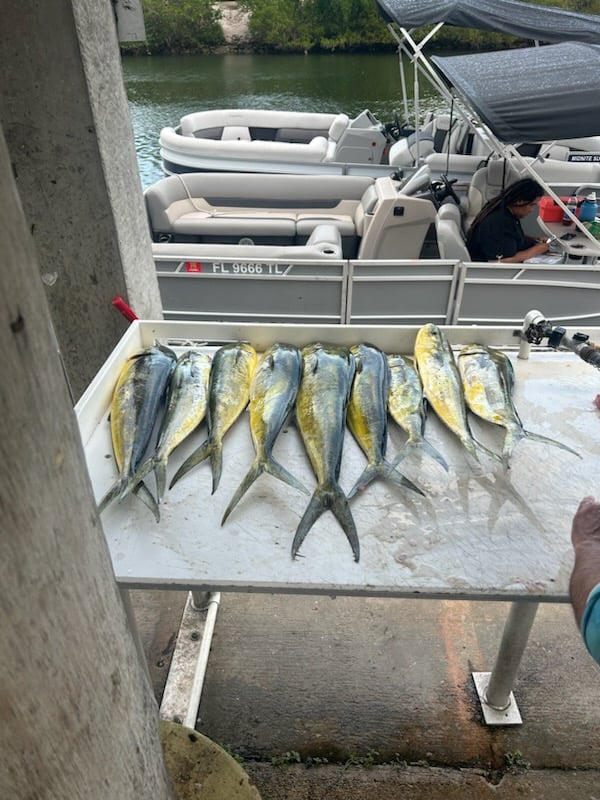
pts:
pixel 373 698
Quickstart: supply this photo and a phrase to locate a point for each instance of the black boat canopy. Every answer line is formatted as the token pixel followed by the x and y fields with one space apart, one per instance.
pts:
pixel 532 94
pixel 538 23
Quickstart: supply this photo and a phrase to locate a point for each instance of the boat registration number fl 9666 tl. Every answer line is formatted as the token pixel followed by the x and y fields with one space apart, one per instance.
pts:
pixel 237 268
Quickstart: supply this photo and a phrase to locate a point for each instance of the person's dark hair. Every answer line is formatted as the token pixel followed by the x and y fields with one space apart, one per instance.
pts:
pixel 525 190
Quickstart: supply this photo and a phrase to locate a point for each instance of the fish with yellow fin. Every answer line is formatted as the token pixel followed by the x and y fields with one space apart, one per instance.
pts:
pixel 186 409
pixel 367 416
pixel 488 379
pixel 273 394
pixel 138 398
pixel 327 373
pixel 406 406
pixel 232 369
pixel 442 386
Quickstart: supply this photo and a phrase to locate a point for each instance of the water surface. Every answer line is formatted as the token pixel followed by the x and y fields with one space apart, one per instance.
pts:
pixel 162 89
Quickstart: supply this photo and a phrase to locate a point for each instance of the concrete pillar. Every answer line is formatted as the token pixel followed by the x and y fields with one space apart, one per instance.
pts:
pixel 67 126
pixel 79 717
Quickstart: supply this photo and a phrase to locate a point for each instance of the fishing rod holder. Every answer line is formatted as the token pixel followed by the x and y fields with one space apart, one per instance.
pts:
pixel 536 328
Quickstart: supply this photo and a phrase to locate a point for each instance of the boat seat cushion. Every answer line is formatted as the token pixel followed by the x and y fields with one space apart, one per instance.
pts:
pixel 324 242
pixel 337 127
pixel 306 223
pixel 449 233
pixel 203 224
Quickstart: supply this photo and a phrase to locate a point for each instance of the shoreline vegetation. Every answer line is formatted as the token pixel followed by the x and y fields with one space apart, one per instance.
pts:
pixel 178 27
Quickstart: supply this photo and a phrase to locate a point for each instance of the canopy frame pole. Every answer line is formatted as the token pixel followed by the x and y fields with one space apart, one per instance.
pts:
pixel 414 51
pixel 403 85
pixel 413 55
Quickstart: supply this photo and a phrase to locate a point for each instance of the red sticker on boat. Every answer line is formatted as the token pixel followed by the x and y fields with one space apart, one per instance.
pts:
pixel 193 266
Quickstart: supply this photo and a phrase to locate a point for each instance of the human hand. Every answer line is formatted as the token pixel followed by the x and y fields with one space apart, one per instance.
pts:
pixel 541 246
pixel 586 523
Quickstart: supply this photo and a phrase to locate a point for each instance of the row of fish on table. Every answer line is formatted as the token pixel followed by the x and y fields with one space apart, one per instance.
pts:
pixel 328 388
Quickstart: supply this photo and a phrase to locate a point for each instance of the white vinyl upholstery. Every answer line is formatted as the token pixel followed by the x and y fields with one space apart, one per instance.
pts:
pixel 337 127
pixel 403 153
pixel 487 183
pixel 324 242
pixel 448 228
pixel 335 133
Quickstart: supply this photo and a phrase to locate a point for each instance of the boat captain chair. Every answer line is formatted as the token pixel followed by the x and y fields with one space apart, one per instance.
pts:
pixel 336 130
pixel 448 229
pixel 486 183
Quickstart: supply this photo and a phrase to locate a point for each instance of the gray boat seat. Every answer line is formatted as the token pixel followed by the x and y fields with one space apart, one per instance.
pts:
pixel 222 224
pixel 324 242
pixel 348 225
pixel 336 130
pixel 487 183
pixel 397 225
pixel 448 228
pixel 404 152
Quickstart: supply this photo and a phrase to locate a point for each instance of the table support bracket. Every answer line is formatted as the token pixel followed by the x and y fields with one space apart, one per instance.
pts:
pixel 183 689
pixel 495 688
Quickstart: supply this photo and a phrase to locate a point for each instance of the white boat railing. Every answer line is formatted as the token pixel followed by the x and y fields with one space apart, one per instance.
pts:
pixel 410 292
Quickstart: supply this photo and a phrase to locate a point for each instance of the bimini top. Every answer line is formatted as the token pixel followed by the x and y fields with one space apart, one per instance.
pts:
pixel 533 94
pixel 542 23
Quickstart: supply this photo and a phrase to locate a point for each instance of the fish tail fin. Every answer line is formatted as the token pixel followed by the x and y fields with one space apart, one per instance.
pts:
pixel 196 457
pixel 428 448
pixel 407 448
pixel 139 489
pixel 370 472
pixel 143 493
pixel 110 495
pixel 472 446
pixel 275 469
pixel 324 498
pixel 341 511
pixel 130 484
pixel 537 437
pixel 253 473
pixel 384 470
pixel 160 471
pixel 511 438
pixel 216 464
pixel 420 444
pixel 488 452
pixel 390 473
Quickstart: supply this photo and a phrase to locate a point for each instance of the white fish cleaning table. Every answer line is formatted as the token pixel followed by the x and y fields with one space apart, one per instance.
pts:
pixel 480 533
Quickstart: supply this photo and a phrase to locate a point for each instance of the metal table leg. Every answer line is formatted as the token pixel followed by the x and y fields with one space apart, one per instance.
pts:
pixel 183 689
pixel 133 629
pixel 495 688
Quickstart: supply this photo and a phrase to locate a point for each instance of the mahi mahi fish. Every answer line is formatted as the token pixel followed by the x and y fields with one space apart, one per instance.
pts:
pixel 228 392
pixel 136 402
pixel 488 379
pixel 273 394
pixel 321 415
pixel 442 386
pixel 367 416
pixel 186 408
pixel 406 406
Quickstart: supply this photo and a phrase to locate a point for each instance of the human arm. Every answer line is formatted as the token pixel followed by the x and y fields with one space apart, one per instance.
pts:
pixel 536 249
pixel 585 536
pixel 498 237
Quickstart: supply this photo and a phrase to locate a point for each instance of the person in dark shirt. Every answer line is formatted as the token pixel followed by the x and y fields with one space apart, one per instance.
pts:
pixel 496 233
